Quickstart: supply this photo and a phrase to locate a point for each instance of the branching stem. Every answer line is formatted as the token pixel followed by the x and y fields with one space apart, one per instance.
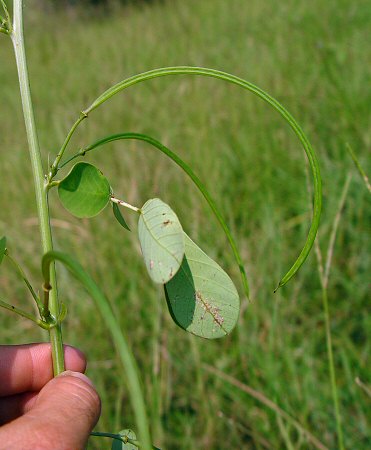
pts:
pixel 20 271
pixel 38 175
pixel 54 166
pixel 122 438
pixel 25 314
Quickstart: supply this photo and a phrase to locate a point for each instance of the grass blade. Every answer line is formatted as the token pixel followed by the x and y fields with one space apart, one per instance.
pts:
pixel 359 167
pixel 125 354
pixel 267 402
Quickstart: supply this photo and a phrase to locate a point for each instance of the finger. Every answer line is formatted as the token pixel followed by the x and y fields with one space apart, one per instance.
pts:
pixel 64 413
pixel 16 405
pixel 29 367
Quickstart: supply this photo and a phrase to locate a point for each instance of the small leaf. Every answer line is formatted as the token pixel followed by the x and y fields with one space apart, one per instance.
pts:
pixel 119 445
pixel 2 248
pixel 62 313
pixel 84 192
pixel 202 298
pixel 119 216
pixel 161 239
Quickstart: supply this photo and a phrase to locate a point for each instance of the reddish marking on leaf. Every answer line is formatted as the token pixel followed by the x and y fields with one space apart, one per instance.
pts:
pixel 208 308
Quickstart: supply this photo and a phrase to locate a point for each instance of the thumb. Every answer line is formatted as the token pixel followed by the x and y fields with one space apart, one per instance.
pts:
pixel 63 415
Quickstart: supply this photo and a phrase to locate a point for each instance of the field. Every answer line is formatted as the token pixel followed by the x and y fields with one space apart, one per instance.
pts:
pixel 233 393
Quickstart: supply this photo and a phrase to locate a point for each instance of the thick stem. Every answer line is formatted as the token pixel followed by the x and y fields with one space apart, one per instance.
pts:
pixel 38 174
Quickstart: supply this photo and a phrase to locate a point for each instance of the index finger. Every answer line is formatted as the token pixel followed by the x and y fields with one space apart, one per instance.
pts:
pixel 29 367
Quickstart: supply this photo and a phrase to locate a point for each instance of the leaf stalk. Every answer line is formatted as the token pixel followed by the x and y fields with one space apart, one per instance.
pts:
pixel 125 205
pixel 20 271
pixel 41 323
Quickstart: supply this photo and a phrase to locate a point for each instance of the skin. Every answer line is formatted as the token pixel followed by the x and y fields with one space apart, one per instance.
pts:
pixel 38 411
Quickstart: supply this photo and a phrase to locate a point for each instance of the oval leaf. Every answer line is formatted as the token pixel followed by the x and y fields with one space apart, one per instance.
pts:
pixel 161 239
pixel 84 192
pixel 119 217
pixel 2 248
pixel 201 297
pixel 119 445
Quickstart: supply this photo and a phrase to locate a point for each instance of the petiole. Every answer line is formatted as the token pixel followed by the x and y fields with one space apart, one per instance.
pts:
pixel 126 205
pixel 20 271
pixel 46 325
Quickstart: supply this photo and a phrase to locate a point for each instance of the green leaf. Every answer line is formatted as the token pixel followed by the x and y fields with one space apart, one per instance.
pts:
pixel 119 445
pixel 161 239
pixel 2 248
pixel 201 297
pixel 84 192
pixel 119 216
pixel 187 169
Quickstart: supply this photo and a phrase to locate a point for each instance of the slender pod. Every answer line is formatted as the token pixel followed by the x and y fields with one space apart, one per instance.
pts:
pixel 185 70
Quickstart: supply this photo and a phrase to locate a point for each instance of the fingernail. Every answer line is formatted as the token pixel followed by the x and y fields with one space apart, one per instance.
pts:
pixel 70 373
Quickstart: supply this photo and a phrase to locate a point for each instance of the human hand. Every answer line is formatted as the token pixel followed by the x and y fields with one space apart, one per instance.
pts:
pixel 38 411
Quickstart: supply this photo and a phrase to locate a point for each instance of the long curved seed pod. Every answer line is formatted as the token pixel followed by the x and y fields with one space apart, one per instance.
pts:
pixel 185 70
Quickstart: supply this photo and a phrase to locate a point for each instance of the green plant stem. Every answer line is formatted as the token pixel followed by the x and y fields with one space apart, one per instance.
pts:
pixel 24 314
pixel 7 16
pixel 38 175
pixel 324 274
pixel 118 437
pixel 334 230
pixel 359 167
pixel 118 337
pixel 331 366
pixel 363 386
pixel 54 166
pixel 20 271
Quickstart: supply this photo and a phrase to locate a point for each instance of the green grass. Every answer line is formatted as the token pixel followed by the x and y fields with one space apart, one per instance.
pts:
pixel 312 57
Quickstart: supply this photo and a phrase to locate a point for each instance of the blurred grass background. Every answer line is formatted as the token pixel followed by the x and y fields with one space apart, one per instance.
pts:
pixel 312 57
